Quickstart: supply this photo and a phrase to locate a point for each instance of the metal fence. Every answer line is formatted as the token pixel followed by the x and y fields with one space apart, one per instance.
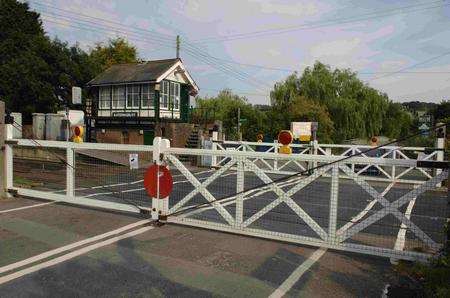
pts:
pixel 335 205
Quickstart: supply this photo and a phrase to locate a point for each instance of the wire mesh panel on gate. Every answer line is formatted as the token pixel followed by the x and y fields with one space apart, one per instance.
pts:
pixel 39 168
pixel 110 175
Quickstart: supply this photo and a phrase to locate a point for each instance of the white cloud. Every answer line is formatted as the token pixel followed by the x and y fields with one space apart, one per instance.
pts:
pixel 299 9
pixel 335 48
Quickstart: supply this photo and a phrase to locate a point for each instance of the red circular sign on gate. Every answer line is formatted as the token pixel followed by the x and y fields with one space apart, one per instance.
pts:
pixel 165 181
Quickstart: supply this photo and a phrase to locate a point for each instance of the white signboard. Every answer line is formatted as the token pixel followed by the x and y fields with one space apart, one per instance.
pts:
pixel 134 161
pixel 301 129
pixel 76 95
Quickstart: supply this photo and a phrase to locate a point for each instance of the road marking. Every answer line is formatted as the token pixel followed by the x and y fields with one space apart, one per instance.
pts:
pixel 400 242
pixel 298 273
pixel 69 247
pixel 27 207
pixel 71 255
pixel 360 215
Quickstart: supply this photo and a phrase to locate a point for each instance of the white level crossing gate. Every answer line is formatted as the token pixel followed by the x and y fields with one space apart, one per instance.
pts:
pixel 338 204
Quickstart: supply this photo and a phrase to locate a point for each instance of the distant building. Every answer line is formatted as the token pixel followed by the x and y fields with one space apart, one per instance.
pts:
pixel 134 102
pixel 424 118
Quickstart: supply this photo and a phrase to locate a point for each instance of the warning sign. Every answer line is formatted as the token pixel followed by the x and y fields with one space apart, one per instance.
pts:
pixel 134 161
pixel 301 130
pixel 158 181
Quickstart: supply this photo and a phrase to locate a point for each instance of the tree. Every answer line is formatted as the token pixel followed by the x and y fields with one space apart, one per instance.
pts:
pixel 25 74
pixel 36 73
pixel 355 109
pixel 115 51
pixel 396 122
pixel 225 107
pixel 441 112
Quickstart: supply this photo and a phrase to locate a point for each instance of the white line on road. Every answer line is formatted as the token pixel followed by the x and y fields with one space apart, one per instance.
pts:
pixel 69 247
pixel 71 255
pixel 360 215
pixel 400 242
pixel 27 207
pixel 298 273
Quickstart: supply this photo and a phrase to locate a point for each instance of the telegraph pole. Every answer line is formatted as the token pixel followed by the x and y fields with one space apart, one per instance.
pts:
pixel 178 46
pixel 239 124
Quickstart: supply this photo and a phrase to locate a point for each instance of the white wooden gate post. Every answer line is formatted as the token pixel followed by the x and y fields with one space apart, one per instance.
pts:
pixel 6 157
pixel 159 206
pixel 70 172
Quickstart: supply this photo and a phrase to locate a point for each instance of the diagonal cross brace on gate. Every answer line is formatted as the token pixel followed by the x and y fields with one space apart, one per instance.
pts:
pixel 377 166
pixel 412 168
pixel 392 208
pixel 201 187
pixel 286 198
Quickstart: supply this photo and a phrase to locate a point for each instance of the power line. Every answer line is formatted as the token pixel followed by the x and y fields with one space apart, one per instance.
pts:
pixel 193 50
pixel 320 24
pixel 237 75
pixel 92 25
pixel 200 55
pixel 411 66
pixel 166 37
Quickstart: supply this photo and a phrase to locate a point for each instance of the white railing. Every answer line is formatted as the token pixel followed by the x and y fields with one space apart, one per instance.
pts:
pixel 389 173
pixel 252 211
pixel 232 215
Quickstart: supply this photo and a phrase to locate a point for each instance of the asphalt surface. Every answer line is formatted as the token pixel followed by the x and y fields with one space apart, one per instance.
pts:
pixel 167 261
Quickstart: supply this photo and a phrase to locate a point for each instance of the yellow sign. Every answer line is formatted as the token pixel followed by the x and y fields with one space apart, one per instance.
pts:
pixel 78 134
pixel 285 150
pixel 301 130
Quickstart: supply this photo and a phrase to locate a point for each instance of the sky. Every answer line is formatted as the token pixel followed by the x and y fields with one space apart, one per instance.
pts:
pixel 398 47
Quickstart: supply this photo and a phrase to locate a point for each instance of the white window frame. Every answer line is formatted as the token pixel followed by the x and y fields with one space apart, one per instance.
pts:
pixel 133 93
pixel 115 97
pixel 164 99
pixel 150 94
pixel 177 89
pixel 102 103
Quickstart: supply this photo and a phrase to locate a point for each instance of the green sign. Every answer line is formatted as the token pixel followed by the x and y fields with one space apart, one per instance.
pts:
pixel 242 120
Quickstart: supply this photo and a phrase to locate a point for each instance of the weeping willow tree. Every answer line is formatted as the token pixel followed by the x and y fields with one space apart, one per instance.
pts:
pixel 356 110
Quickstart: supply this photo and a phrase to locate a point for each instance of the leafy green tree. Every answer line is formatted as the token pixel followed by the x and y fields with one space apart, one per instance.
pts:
pixel 441 112
pixel 116 51
pixel 356 110
pixel 397 121
pixel 25 72
pixel 36 73
pixel 225 107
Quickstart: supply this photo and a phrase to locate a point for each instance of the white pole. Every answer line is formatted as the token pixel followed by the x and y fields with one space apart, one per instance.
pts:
pixel 70 172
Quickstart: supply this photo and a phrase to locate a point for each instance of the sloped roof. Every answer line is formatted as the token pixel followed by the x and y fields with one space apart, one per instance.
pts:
pixel 133 72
